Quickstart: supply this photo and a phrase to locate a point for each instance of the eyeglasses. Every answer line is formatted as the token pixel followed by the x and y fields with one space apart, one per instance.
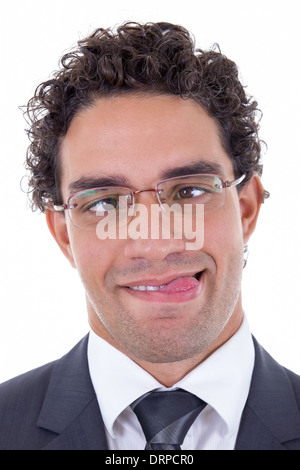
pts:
pixel 86 208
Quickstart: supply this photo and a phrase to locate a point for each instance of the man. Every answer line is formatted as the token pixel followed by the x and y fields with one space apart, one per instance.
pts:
pixel 136 118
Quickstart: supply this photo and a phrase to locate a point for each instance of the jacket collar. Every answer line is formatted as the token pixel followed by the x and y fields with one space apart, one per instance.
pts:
pixel 271 415
pixel 70 408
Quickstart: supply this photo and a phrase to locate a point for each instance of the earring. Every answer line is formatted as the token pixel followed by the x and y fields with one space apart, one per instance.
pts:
pixel 246 254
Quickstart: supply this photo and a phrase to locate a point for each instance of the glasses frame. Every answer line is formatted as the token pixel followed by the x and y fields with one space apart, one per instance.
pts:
pixel 224 185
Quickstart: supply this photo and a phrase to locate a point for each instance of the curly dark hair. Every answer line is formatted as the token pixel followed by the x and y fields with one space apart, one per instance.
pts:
pixel 157 58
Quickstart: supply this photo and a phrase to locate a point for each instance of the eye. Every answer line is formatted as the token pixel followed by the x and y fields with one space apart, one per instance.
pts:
pixel 190 192
pixel 100 206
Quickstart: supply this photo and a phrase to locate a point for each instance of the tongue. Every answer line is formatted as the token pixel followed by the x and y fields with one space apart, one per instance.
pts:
pixel 181 284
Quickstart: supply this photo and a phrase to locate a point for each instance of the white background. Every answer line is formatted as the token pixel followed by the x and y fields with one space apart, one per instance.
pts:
pixel 42 305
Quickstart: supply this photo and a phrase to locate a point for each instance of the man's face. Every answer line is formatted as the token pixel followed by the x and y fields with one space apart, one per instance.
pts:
pixel 138 139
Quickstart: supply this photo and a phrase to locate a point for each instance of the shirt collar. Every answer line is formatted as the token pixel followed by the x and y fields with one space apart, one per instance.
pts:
pixel 222 380
pixel 117 380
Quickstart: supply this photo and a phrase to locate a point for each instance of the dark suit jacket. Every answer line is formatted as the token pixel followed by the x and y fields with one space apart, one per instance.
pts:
pixel 55 407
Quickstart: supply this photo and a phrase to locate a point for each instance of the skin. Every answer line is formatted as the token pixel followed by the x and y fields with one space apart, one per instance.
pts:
pixel 138 137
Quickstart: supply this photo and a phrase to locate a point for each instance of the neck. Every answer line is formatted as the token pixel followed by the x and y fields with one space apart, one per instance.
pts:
pixel 168 374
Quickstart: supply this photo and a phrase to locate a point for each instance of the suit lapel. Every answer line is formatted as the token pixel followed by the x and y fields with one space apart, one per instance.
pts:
pixel 70 408
pixel 86 432
pixel 271 415
pixel 253 435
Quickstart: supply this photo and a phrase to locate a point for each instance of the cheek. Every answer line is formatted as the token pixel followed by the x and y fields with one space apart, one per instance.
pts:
pixel 93 257
pixel 223 235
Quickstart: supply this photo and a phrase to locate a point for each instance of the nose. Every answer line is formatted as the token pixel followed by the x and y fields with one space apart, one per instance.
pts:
pixel 148 242
pixel 152 249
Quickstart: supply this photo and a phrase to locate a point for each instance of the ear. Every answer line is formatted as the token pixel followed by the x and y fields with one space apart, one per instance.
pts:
pixel 251 198
pixel 56 222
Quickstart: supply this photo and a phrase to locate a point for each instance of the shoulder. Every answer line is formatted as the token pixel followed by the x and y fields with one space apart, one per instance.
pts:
pixel 294 380
pixel 24 386
pixel 24 392
pixel 268 371
pixel 274 398
pixel 27 388
pixel 268 368
pixel 21 399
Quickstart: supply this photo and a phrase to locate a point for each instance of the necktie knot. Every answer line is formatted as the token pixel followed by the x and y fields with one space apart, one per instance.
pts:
pixel 166 417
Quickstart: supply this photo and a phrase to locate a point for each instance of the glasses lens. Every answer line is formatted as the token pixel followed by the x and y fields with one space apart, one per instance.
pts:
pixel 192 190
pixel 90 206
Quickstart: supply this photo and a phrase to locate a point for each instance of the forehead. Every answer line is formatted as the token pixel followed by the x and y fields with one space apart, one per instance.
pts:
pixel 139 139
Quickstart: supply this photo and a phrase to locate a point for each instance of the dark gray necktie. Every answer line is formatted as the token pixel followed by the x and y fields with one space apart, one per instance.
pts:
pixel 166 417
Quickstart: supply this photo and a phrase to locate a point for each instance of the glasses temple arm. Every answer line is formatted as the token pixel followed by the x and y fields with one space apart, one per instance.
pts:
pixel 228 184
pixel 59 208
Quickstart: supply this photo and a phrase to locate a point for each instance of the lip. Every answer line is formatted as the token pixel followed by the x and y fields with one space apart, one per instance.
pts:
pixel 160 281
pixel 164 297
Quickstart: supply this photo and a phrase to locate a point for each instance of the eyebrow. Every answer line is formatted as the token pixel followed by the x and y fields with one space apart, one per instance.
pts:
pixel 88 183
pixel 201 166
pixel 195 167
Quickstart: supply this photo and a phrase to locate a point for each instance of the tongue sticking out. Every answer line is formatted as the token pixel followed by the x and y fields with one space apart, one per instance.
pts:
pixel 181 284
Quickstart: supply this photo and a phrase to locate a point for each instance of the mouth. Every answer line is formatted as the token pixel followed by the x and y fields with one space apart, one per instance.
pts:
pixel 178 288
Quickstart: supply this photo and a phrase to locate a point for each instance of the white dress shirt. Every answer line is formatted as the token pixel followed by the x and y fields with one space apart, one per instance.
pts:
pixel 222 381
